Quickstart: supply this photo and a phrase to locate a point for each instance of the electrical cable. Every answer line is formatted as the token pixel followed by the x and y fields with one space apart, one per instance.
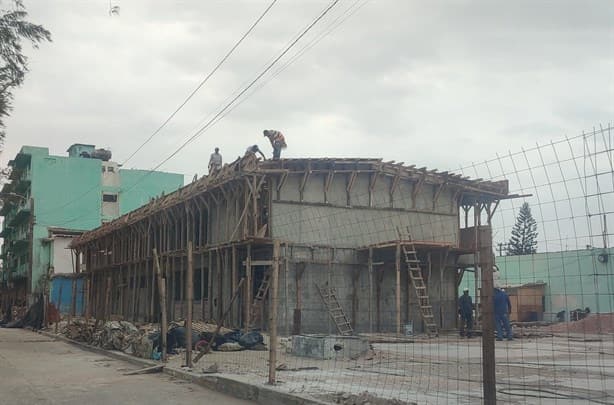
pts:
pixel 252 83
pixel 187 99
pixel 202 83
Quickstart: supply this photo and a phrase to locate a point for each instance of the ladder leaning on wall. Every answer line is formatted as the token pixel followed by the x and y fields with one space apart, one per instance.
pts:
pixel 415 274
pixel 336 312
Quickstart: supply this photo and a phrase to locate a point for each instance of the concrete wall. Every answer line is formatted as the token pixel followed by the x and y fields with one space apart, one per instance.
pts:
pixel 350 264
pixel 574 279
pixel 332 221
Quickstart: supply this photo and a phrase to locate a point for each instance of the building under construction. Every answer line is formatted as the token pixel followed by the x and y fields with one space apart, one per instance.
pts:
pixel 365 246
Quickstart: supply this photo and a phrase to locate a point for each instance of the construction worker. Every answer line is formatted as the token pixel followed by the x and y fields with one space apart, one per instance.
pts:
pixel 252 150
pixel 278 142
pixel 215 161
pixel 465 309
pixel 503 307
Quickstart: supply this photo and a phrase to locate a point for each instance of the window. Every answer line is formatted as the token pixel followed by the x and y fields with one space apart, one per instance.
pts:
pixel 109 198
pixel 110 169
pixel 103 169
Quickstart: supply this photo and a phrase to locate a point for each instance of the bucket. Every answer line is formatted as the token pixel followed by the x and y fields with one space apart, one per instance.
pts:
pixel 409 329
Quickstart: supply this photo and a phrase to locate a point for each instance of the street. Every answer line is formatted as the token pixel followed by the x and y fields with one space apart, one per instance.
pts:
pixel 35 369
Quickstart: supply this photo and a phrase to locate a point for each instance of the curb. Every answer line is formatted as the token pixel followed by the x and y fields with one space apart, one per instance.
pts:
pixel 238 389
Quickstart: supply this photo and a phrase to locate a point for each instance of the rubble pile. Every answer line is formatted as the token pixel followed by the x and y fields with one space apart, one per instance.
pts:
pixel 80 330
pixel 116 335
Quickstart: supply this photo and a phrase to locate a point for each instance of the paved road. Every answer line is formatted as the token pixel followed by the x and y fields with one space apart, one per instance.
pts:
pixel 35 369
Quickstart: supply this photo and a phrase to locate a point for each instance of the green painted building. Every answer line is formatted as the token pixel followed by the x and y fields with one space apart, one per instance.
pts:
pixel 51 198
pixel 574 279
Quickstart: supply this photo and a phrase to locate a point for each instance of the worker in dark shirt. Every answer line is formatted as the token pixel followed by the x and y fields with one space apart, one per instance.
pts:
pixel 503 307
pixel 252 150
pixel 465 309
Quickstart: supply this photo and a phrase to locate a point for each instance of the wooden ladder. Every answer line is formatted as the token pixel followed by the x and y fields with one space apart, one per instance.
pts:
pixel 415 274
pixel 335 310
pixel 258 301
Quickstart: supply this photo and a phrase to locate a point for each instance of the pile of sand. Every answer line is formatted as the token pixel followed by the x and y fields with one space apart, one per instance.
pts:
pixel 592 324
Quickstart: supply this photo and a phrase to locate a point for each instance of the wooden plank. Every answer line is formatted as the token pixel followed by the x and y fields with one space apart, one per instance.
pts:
pixel 190 302
pixel 248 289
pixel 273 301
pixel 397 265
pixel 162 293
pixel 146 370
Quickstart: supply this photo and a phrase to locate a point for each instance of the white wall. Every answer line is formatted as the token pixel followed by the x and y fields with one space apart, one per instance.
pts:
pixel 62 262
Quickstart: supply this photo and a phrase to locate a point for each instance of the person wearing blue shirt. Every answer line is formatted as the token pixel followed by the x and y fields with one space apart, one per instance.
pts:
pixel 465 309
pixel 503 308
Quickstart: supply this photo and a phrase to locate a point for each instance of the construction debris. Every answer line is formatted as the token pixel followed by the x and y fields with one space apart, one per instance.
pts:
pixel 146 370
pixel 365 399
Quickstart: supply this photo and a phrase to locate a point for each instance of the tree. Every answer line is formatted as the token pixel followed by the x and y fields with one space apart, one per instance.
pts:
pixel 524 234
pixel 14 29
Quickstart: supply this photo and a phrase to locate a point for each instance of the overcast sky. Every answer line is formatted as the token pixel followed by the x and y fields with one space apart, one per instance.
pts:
pixel 438 84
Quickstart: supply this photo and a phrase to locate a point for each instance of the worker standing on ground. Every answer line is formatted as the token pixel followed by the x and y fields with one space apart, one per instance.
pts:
pixel 215 161
pixel 278 142
pixel 252 150
pixel 465 309
pixel 503 307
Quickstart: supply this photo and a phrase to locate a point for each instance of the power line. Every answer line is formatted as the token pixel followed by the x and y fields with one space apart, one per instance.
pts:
pixel 329 29
pixel 188 98
pixel 202 83
pixel 252 83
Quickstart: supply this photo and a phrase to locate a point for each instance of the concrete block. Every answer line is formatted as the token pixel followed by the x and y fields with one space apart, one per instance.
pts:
pixel 329 346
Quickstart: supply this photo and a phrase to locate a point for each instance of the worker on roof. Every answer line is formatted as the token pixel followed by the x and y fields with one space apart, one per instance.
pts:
pixel 278 142
pixel 465 310
pixel 503 307
pixel 252 150
pixel 215 161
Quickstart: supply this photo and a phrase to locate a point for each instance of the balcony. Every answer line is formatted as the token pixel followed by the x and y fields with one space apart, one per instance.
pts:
pixel 23 212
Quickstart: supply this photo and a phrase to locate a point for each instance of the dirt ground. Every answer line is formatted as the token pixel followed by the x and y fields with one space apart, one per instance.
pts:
pixel 551 369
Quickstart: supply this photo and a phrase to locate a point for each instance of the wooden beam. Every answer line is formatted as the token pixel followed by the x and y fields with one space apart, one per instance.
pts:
pixel 190 303
pixel 397 266
pixel 162 293
pixel 274 304
pixel 248 289
pixel 416 189
pixel 438 193
pixel 329 180
pixel 304 181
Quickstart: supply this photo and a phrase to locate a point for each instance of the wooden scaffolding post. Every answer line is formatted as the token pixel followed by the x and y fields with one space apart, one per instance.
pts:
pixel 107 300
pixel 273 301
pixel 234 279
pixel 488 316
pixel 370 268
pixel 162 293
pixel 248 288
pixel 73 300
pixel 86 298
pixel 189 303
pixel 210 285
pixel 397 266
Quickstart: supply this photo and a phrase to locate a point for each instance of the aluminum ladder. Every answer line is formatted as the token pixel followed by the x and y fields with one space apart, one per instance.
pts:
pixel 335 310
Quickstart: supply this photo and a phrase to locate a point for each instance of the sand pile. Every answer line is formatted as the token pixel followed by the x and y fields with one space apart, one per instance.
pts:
pixel 592 324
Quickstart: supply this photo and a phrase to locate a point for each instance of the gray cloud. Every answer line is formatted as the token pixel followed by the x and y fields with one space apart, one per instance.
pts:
pixel 436 84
